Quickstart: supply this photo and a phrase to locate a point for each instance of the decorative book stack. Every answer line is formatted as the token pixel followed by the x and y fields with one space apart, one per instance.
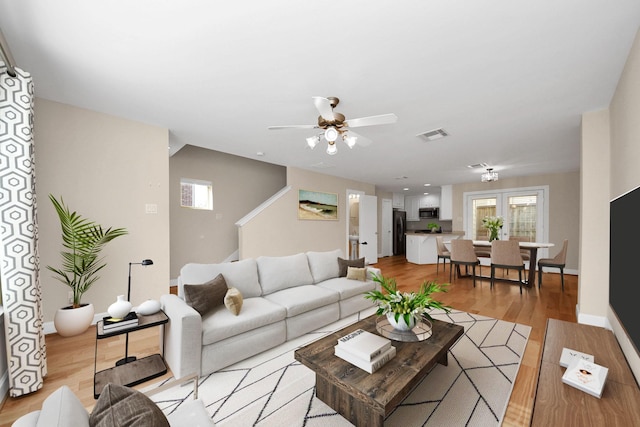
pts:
pixel 569 355
pixel 110 324
pixel 582 372
pixel 365 350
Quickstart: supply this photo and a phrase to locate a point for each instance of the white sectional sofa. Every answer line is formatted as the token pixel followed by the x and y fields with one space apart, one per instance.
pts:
pixel 283 298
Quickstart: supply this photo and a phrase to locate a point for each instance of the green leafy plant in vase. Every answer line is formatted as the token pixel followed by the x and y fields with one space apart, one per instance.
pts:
pixel 403 309
pixel 83 241
pixel 433 227
pixel 493 224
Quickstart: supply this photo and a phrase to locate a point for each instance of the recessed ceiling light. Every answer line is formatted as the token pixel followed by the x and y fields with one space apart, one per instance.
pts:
pixel 405 189
pixel 426 185
pixel 425 193
pixel 260 154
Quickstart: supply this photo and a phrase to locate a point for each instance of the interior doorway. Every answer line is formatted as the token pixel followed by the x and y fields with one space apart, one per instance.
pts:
pixel 362 226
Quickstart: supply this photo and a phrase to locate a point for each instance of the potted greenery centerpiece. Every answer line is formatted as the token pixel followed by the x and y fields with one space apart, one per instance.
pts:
pixel 433 227
pixel 493 224
pixel 403 309
pixel 83 240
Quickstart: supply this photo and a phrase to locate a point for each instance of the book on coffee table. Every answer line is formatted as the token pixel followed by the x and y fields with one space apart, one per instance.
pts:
pixel 586 376
pixel 569 355
pixel 366 365
pixel 364 344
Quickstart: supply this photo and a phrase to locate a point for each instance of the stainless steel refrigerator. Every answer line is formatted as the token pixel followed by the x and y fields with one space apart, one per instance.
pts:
pixel 399 238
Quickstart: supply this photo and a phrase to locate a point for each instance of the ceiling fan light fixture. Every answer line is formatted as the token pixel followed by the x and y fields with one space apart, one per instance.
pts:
pixel 350 140
pixel 489 175
pixel 312 141
pixel 331 148
pixel 331 134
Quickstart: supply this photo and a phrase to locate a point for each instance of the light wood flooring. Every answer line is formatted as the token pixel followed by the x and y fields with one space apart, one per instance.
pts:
pixel 70 360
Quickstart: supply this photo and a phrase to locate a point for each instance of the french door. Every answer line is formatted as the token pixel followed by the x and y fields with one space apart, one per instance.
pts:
pixel 524 212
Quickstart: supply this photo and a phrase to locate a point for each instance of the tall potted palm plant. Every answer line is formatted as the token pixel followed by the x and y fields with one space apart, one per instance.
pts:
pixel 82 240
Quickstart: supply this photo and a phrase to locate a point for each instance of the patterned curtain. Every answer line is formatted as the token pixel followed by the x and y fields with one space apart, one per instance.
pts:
pixel 19 261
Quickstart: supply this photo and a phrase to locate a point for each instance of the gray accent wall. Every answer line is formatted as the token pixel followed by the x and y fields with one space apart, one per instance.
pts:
pixel 239 185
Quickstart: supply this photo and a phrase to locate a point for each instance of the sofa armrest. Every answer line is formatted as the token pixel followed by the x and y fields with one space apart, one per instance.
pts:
pixel 183 336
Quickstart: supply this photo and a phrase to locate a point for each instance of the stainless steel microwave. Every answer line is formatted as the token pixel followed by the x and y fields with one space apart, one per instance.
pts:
pixel 428 212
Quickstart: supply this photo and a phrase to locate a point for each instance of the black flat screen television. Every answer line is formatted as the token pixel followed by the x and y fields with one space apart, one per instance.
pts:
pixel 624 263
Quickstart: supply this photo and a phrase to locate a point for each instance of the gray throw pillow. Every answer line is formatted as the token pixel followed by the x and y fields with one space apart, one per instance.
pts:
pixel 120 406
pixel 344 263
pixel 204 298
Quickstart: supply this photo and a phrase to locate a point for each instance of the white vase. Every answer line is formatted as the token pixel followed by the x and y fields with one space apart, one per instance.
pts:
pixel 120 308
pixel 401 325
pixel 71 321
pixel 148 307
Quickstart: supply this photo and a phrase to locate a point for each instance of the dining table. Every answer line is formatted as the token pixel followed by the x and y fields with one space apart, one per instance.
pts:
pixel 532 247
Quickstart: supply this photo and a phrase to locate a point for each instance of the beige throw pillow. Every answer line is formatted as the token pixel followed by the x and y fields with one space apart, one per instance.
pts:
pixel 203 298
pixel 344 263
pixel 355 273
pixel 233 301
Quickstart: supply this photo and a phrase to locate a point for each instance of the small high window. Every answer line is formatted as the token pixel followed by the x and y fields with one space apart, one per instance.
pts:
pixel 196 194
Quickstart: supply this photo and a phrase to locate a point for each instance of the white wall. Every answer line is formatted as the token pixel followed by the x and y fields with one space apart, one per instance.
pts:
pixel 277 231
pixel 563 204
pixel 593 297
pixel 625 154
pixel 107 169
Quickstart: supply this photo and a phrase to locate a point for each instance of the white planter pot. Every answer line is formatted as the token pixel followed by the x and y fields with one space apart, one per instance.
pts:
pixel 401 325
pixel 70 321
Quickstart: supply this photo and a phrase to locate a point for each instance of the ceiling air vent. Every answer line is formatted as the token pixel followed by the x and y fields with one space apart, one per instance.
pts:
pixel 478 165
pixel 432 135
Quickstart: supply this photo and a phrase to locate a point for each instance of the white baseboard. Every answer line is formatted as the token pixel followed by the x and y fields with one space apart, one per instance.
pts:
pixel 590 319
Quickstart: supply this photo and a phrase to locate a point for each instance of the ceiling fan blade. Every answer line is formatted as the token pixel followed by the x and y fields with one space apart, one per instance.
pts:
pixel 382 119
pixel 361 140
pixel 324 107
pixel 293 127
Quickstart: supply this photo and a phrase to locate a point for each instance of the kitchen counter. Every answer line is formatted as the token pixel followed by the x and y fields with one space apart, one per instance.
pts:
pixel 421 247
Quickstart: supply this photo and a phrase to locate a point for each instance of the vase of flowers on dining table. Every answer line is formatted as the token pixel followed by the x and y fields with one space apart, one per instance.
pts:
pixel 493 224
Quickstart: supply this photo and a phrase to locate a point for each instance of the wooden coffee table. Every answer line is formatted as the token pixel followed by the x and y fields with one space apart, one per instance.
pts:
pixel 367 399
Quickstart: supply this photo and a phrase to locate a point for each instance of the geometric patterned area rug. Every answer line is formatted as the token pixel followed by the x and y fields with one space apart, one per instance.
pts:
pixel 272 389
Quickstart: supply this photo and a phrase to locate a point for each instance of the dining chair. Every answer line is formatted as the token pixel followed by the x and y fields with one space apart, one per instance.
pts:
pixel 506 254
pixel 443 254
pixel 463 253
pixel 557 261
pixel 524 253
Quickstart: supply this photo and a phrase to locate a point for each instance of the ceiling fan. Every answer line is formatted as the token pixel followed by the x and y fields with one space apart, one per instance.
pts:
pixel 336 125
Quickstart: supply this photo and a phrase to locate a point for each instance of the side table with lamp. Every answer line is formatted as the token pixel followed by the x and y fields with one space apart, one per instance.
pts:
pixel 130 370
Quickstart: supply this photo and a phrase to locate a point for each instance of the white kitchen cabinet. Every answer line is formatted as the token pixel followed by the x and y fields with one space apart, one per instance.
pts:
pixel 421 248
pixel 430 201
pixel 412 206
pixel 446 202
pixel 398 200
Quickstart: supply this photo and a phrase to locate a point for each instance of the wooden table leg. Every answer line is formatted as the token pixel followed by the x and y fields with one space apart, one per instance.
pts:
pixel 353 409
pixel 533 263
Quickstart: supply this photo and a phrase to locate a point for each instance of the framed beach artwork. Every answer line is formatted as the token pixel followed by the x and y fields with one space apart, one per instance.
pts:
pixel 317 205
